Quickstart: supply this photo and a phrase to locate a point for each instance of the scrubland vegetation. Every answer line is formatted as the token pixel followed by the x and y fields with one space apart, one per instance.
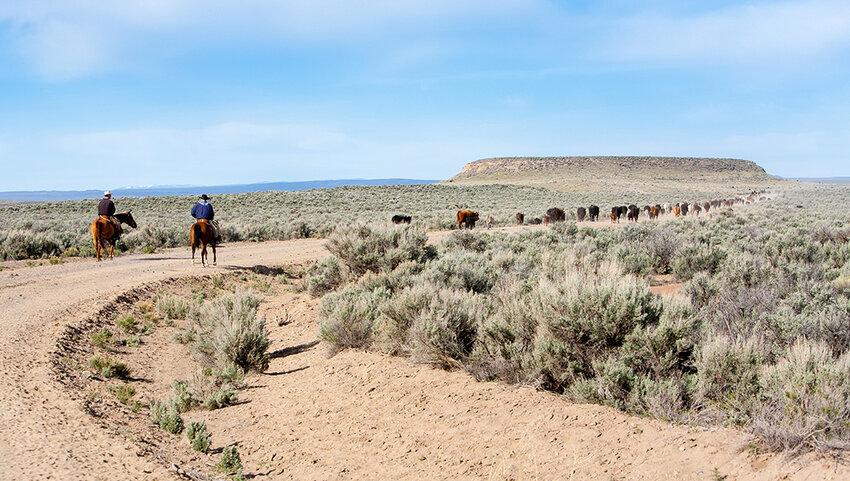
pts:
pixel 759 337
pixel 46 229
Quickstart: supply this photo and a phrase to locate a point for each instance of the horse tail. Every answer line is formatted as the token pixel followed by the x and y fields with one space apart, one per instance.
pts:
pixel 196 235
pixel 95 232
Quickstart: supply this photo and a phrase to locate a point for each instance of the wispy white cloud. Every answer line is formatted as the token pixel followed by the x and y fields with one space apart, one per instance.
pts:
pixel 769 31
pixel 73 38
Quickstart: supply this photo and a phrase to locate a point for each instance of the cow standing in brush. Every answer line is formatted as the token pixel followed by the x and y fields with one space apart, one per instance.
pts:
pixel 401 219
pixel 654 211
pixel 633 213
pixel 556 214
pixel 520 218
pixel 683 208
pixel 466 218
pixel 581 213
pixel 593 212
pixel 488 221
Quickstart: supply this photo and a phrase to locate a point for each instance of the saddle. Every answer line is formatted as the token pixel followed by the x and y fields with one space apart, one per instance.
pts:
pixel 116 226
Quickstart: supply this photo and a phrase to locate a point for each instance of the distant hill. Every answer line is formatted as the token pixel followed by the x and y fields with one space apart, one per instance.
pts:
pixel 158 191
pixel 823 180
pixel 629 175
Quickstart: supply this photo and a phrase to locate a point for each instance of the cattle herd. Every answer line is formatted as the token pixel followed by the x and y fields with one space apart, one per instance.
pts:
pixel 468 218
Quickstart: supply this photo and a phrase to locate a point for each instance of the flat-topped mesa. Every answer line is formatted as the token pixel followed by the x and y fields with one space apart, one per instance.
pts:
pixel 531 165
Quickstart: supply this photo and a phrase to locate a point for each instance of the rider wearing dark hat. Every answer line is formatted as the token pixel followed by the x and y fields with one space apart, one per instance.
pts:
pixel 204 210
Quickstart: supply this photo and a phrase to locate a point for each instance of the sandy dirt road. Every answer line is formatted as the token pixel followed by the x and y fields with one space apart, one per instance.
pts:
pixel 525 434
pixel 43 434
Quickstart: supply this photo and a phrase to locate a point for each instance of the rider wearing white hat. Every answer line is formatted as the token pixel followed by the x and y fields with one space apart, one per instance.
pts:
pixel 106 209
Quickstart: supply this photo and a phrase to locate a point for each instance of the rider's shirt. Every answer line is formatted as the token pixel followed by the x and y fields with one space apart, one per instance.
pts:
pixel 106 207
pixel 203 210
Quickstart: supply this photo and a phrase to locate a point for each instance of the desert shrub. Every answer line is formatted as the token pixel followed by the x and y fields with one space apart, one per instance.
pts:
pixel 230 374
pixel 584 316
pixel 221 399
pixel 346 317
pixel 181 399
pixel 363 248
pixel 172 307
pixel 396 315
pixel 325 276
pixel 158 410
pixel 665 349
pixel 464 239
pixel 806 399
pixel 728 372
pixel 171 422
pixel 697 258
pixel 506 338
pixel 701 290
pixel 462 270
pixel 443 332
pixel 198 436
pixel 19 244
pixel 230 461
pixel 133 341
pixel 228 331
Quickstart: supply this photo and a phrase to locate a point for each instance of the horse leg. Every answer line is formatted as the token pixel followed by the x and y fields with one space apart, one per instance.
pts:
pixel 213 248
pixel 203 253
pixel 111 249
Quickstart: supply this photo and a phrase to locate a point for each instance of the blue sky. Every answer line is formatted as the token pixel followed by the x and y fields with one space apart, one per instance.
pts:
pixel 100 94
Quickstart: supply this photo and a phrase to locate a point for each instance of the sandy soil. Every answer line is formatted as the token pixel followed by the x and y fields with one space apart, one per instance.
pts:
pixel 352 416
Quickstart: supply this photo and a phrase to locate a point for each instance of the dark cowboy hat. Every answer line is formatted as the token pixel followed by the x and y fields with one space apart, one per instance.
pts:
pixel 205 197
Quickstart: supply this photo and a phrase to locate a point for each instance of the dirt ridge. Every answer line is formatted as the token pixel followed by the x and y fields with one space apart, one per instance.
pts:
pixel 507 165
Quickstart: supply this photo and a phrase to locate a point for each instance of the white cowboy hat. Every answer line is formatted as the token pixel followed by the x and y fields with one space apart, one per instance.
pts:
pixel 106 193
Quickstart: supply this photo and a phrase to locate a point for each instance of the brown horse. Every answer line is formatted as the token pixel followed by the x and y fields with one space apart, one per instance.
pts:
pixel 201 235
pixel 103 232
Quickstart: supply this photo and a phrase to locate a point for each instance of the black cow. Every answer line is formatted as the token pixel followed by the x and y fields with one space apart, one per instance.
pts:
pixel 684 207
pixel 402 219
pixel 520 218
pixel 633 213
pixel 581 213
pixel 593 212
pixel 617 212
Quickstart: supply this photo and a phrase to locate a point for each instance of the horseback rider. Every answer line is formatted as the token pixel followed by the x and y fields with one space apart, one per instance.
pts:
pixel 106 210
pixel 203 210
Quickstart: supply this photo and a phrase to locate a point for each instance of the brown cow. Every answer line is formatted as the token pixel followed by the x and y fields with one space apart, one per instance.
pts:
pixel 520 218
pixel 488 221
pixel 556 214
pixel 654 211
pixel 466 218
pixel 676 210
pixel 614 217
